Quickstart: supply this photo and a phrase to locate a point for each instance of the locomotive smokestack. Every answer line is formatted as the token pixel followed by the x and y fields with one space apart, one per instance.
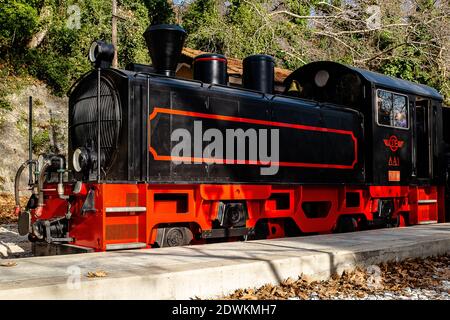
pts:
pixel 258 73
pixel 164 43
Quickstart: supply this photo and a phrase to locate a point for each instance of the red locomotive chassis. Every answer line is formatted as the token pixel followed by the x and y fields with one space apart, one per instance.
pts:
pixel 132 214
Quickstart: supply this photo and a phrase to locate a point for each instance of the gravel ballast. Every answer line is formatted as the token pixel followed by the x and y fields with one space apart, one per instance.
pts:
pixel 12 245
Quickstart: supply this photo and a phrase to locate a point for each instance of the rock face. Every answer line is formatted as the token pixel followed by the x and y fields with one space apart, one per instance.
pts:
pixel 49 129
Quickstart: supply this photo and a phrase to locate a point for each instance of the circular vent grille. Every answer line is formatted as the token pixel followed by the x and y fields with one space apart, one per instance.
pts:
pixel 83 125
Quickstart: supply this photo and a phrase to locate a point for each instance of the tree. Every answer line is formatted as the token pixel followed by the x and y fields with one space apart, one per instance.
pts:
pixel 404 38
pixel 36 37
pixel 159 11
pixel 18 20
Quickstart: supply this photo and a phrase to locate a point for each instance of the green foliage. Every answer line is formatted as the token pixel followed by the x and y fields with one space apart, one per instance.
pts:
pixel 8 85
pixel 61 57
pixel 245 28
pixel 204 26
pixel 18 20
pixel 407 68
pixel 236 31
pixel 411 67
pixel 159 11
pixel 301 8
pixel 22 124
pixel 385 40
pixel 41 141
pixel 132 47
pixel 198 13
pixel 56 70
pixel 5 105
pixel 42 131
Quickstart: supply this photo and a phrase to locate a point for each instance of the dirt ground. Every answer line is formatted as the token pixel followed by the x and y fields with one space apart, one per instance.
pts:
pixel 415 279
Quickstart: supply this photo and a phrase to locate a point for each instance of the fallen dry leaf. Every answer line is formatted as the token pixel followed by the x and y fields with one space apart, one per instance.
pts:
pixel 7 204
pixel 397 277
pixel 97 274
pixel 8 264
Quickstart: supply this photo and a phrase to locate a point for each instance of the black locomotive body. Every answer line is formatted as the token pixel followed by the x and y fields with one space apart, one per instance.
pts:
pixel 318 142
pixel 356 149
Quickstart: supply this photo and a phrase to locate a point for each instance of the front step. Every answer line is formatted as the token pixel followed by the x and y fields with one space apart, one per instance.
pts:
pixel 427 222
pixel 124 246
pixel 424 205
pixel 427 201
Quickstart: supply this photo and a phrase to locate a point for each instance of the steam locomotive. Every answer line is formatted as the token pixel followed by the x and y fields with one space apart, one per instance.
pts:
pixel 155 160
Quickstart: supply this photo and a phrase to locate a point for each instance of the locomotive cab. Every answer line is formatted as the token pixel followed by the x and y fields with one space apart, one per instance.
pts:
pixel 403 130
pixel 402 120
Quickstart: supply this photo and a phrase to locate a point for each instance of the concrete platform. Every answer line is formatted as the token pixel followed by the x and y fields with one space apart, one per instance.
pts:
pixel 215 269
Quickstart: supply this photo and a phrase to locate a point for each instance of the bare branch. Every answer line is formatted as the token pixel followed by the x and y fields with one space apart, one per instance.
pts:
pixel 302 17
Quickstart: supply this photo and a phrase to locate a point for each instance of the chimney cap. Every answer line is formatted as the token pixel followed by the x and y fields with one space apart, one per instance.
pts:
pixel 259 57
pixel 174 27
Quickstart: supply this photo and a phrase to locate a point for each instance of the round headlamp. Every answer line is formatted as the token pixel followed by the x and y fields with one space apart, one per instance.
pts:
pixel 80 159
pixel 101 54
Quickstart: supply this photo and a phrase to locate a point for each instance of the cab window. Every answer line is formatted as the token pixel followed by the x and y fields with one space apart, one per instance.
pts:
pixel 392 109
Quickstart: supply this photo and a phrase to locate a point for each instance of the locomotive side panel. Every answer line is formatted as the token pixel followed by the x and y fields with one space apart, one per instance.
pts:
pixel 307 143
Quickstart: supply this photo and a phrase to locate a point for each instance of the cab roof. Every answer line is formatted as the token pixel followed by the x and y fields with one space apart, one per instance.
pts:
pixel 374 78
